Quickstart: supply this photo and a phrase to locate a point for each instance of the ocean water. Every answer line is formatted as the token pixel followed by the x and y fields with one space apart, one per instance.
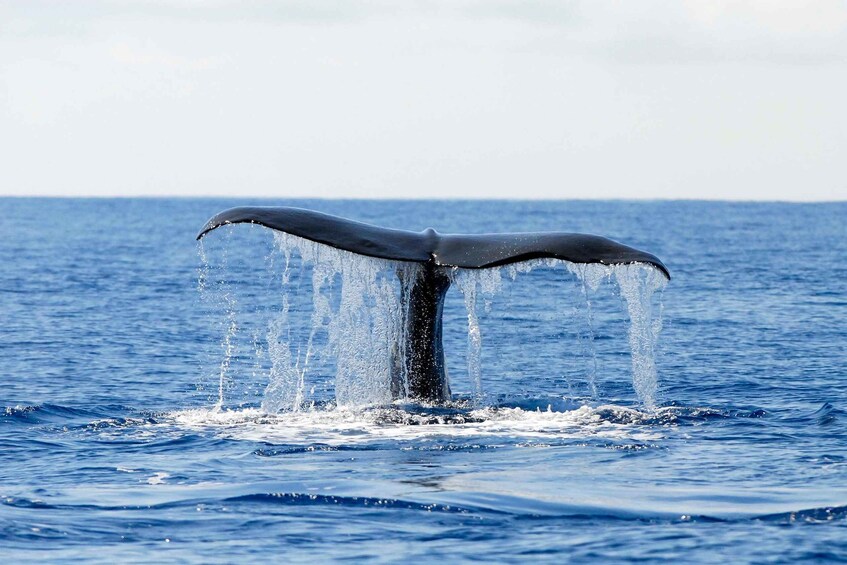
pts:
pixel 152 409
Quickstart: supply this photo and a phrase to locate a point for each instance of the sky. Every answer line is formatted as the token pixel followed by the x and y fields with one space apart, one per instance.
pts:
pixel 718 99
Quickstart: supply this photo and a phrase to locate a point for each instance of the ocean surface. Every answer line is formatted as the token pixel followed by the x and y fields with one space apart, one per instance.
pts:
pixel 166 402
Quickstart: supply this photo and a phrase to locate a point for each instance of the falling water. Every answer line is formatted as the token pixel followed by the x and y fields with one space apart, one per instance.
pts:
pixel 358 320
pixel 365 330
pixel 638 283
pixel 227 299
pixel 285 385
pixel 472 283
pixel 590 276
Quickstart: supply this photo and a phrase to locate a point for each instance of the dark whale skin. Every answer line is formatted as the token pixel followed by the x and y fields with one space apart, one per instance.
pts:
pixel 468 251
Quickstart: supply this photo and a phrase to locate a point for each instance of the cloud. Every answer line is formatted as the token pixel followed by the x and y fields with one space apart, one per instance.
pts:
pixel 449 98
pixel 697 32
pixel 151 55
pixel 811 17
pixel 649 31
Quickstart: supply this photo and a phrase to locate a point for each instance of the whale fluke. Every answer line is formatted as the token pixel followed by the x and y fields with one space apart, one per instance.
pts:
pixel 423 354
pixel 469 251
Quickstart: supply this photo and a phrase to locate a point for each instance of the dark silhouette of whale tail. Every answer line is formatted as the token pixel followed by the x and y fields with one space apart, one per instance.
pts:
pixel 469 251
pixel 424 355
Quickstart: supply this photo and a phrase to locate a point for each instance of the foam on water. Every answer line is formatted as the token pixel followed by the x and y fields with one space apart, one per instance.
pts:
pixel 343 426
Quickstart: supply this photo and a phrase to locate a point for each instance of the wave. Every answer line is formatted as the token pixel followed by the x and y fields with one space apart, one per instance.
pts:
pixel 809 515
pixel 301 499
pixel 56 413
pixel 470 503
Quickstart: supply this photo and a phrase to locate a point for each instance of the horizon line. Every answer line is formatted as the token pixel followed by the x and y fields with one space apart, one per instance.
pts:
pixel 413 199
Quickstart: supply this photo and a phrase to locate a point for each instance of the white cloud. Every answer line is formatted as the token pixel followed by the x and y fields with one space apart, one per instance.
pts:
pixel 150 55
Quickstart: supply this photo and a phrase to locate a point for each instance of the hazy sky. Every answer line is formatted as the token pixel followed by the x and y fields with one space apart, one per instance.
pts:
pixel 743 99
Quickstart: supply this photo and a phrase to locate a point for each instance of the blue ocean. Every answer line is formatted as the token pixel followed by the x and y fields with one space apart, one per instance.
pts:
pixel 165 400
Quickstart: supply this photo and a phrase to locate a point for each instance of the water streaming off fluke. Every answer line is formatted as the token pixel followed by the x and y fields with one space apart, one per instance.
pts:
pixel 342 326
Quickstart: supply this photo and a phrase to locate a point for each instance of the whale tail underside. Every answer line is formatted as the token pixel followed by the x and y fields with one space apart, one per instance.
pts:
pixel 470 251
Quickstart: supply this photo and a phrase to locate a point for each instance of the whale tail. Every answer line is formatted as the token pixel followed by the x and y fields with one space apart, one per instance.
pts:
pixel 423 351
